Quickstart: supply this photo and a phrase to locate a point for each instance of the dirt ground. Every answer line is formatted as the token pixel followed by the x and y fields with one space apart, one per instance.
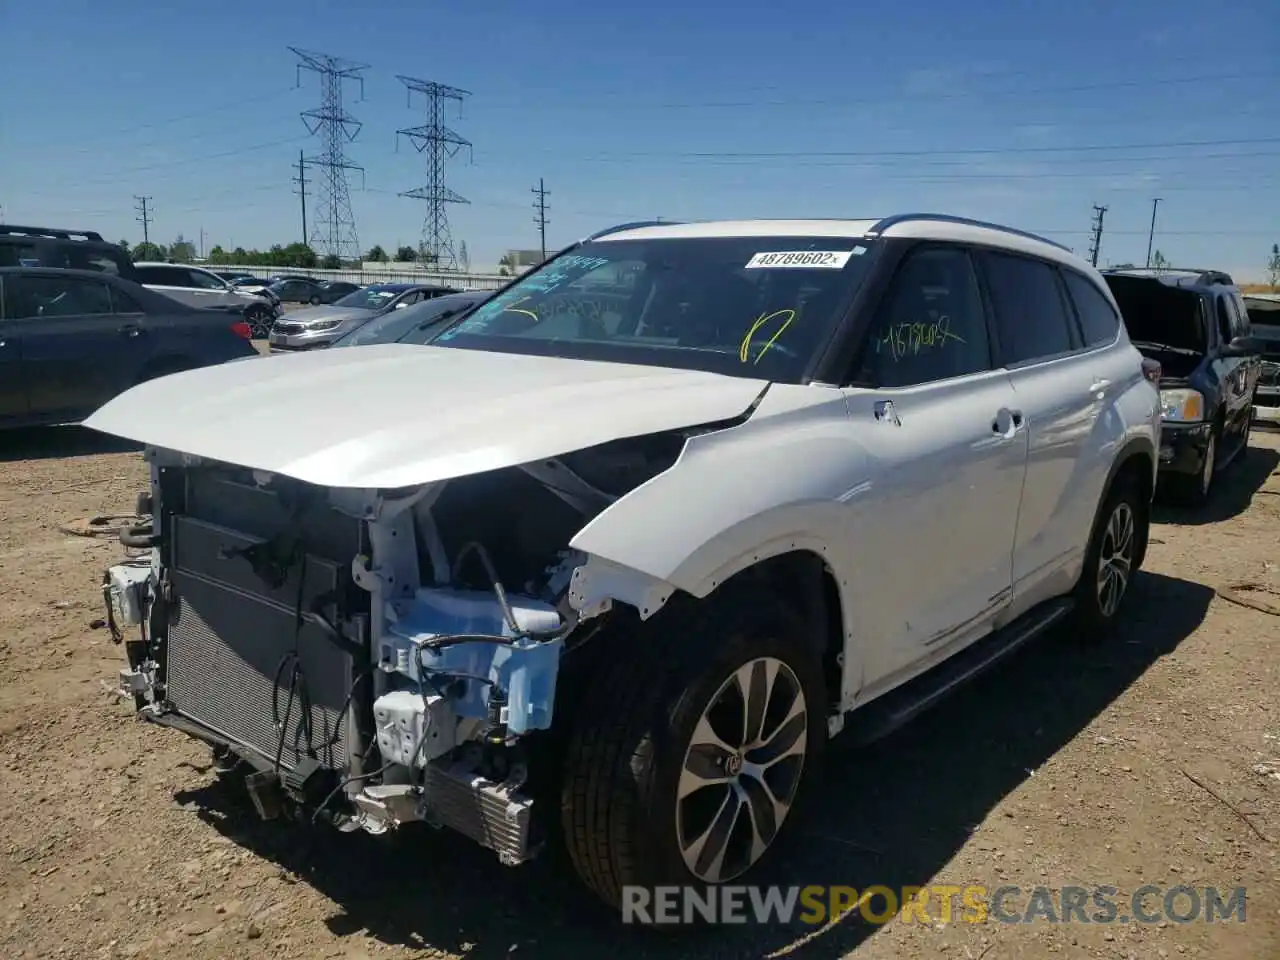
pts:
pixel 1063 766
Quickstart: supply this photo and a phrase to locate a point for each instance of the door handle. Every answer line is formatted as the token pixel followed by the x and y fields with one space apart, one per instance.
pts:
pixel 129 330
pixel 1100 387
pixel 1007 422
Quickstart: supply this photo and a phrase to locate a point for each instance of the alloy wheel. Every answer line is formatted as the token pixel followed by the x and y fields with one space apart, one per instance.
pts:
pixel 741 770
pixel 1115 561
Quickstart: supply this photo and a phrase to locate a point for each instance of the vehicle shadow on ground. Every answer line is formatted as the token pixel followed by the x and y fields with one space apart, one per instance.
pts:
pixel 893 813
pixel 54 443
pixel 1233 491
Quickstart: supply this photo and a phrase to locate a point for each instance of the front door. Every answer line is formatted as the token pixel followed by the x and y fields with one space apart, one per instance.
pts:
pixel 947 447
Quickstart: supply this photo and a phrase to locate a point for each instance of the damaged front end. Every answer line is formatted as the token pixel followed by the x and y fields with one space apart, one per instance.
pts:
pixel 374 657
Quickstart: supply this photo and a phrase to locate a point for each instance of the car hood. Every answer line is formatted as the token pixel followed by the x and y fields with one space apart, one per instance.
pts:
pixel 310 315
pixel 398 415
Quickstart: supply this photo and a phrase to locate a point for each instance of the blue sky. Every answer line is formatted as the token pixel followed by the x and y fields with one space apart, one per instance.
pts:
pixel 1026 113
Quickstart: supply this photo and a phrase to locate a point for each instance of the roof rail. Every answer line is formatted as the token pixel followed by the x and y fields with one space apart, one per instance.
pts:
pixel 13 229
pixel 888 222
pixel 634 225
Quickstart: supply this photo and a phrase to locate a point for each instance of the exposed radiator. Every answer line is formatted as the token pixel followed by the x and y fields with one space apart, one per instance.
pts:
pixel 229 636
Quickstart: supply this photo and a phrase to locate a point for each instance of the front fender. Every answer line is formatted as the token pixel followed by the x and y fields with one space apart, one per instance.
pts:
pixel 774 484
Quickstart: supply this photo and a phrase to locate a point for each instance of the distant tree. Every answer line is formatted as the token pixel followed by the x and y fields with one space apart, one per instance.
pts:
pixel 182 251
pixel 331 262
pixel 218 256
pixel 377 255
pixel 240 256
pixel 1159 262
pixel 149 251
pixel 464 258
pixel 299 255
pixel 406 255
pixel 126 244
pixel 1273 265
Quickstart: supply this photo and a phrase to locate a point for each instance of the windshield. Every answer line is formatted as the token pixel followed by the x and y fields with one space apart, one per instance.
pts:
pixel 370 298
pixel 403 325
pixel 744 306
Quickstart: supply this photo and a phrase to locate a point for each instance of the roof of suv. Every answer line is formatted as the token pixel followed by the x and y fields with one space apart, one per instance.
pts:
pixel 912 226
pixel 1181 277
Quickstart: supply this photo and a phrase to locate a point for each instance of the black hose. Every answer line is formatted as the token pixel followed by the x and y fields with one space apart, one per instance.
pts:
pixel 139 536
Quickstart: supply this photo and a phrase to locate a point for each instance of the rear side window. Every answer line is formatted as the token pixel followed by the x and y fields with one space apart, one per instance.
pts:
pixel 163 276
pixel 34 298
pixel 1098 318
pixel 1031 318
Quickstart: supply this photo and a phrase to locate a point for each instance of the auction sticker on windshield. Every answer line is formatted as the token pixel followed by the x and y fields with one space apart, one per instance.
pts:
pixel 826 259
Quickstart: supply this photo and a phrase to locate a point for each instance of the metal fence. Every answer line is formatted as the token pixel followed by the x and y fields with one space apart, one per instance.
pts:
pixel 451 278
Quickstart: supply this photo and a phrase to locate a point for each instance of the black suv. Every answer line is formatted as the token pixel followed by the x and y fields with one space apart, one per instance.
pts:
pixel 1194 323
pixel 67 249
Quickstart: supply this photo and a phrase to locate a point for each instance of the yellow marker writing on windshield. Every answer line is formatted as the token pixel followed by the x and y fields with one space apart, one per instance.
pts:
pixel 744 351
pixel 528 313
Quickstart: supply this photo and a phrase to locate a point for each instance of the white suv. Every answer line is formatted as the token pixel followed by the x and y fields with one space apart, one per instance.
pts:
pixel 624 544
pixel 197 287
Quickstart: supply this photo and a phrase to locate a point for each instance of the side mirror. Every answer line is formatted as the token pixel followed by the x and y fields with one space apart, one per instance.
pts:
pixel 399 306
pixel 1245 346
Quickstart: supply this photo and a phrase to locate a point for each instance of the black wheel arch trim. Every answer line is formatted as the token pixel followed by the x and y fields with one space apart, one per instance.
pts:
pixel 1134 446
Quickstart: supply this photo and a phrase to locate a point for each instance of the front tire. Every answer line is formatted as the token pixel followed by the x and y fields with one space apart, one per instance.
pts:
pixel 1114 553
pixel 260 320
pixel 692 748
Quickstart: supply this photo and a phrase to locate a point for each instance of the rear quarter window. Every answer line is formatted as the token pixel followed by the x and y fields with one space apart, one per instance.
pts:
pixel 1098 319
pixel 1031 316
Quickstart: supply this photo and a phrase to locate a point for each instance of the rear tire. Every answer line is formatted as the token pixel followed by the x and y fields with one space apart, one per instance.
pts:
pixel 650 796
pixel 1112 558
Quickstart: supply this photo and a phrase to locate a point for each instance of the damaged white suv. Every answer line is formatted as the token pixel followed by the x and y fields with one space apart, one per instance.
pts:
pixel 618 551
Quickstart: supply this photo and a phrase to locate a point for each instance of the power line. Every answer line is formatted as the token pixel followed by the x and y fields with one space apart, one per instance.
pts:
pixel 879 100
pixel 334 230
pixel 540 213
pixel 1095 246
pixel 971 151
pixel 144 217
pixel 440 144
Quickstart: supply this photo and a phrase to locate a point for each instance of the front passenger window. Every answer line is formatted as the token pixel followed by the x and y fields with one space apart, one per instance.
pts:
pixel 930 325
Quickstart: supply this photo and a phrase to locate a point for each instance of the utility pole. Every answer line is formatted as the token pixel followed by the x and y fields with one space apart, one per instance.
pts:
pixel 334 232
pixel 301 181
pixel 440 144
pixel 1096 246
pixel 540 218
pixel 1152 234
pixel 144 217
pixel 202 243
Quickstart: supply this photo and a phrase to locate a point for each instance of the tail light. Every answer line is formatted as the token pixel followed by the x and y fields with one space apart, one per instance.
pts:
pixel 1151 369
pixel 242 329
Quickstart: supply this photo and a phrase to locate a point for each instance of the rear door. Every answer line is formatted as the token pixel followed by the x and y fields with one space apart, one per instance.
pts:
pixel 172 281
pixel 76 352
pixel 1062 387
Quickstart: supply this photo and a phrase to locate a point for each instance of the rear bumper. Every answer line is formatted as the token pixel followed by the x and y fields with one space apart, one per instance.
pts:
pixel 1183 446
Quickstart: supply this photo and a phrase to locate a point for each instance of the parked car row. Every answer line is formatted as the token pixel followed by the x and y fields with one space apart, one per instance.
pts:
pixel 319 326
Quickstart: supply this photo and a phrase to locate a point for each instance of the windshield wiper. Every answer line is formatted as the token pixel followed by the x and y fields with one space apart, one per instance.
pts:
pixel 1150 345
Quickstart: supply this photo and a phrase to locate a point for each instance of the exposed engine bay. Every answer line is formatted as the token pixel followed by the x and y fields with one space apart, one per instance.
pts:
pixel 372 657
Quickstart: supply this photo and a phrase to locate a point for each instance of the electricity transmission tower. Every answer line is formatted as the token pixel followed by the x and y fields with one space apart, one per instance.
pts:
pixel 440 144
pixel 144 217
pixel 1095 246
pixel 333 227
pixel 540 213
